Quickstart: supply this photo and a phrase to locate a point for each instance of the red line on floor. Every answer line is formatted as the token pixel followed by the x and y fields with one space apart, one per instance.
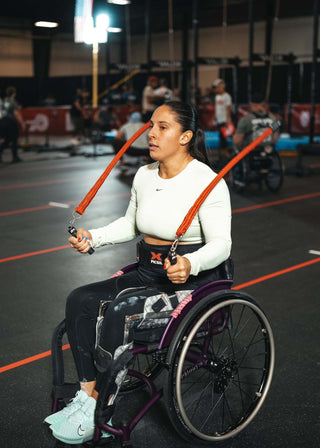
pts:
pixel 26 210
pixel 46 168
pixel 36 184
pixel 281 201
pixel 239 210
pixel 44 207
pixel 31 254
pixel 276 274
pixel 30 359
pixel 243 285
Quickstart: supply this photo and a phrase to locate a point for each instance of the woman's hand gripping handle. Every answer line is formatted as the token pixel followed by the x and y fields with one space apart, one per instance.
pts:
pixel 82 242
pixel 178 268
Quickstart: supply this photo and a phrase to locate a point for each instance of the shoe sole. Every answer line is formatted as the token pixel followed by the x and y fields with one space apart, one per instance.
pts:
pixel 77 441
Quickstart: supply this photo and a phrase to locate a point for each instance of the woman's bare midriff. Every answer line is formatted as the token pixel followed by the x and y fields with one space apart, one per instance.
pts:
pixel 157 242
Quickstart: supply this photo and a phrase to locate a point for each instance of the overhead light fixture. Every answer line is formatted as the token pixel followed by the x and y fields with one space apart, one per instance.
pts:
pixel 102 21
pixel 96 34
pixel 112 29
pixel 119 2
pixel 45 24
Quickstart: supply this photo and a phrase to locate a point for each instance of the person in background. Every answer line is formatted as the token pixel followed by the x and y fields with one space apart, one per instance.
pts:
pixel 163 91
pixel 149 98
pixel 49 100
pixel 104 120
pixel 139 148
pixel 128 95
pixel 254 123
pixel 208 96
pixel 10 122
pixel 79 115
pixel 222 115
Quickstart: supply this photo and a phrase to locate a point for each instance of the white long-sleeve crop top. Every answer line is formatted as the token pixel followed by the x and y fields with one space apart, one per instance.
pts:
pixel 158 206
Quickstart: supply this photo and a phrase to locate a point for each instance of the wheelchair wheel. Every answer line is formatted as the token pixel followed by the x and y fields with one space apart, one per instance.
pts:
pixel 274 177
pixel 221 363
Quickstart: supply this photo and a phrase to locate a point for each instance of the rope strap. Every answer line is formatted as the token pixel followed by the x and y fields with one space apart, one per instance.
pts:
pixel 193 210
pixel 91 194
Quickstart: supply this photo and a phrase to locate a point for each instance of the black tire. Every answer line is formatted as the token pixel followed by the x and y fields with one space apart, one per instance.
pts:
pixel 274 177
pixel 220 366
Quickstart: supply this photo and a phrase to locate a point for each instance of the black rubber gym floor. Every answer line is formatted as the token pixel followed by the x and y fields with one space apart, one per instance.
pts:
pixel 272 234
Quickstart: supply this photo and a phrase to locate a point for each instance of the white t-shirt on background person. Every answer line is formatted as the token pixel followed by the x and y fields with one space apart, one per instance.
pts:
pixel 222 101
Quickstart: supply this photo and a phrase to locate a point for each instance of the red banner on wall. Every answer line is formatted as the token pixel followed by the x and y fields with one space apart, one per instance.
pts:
pixel 57 121
pixel 300 118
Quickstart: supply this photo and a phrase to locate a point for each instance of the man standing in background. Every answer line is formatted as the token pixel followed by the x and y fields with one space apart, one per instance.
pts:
pixel 222 115
pixel 9 123
pixel 149 98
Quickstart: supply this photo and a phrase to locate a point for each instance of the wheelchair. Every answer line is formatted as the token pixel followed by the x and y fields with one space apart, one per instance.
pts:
pixel 262 165
pixel 216 354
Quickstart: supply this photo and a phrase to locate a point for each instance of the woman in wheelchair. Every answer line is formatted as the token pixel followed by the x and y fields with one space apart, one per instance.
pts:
pixel 161 195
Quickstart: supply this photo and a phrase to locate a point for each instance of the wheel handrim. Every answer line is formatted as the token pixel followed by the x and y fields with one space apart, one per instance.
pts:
pixel 235 395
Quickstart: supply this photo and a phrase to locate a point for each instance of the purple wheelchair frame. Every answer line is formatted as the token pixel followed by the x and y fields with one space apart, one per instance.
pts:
pixel 65 390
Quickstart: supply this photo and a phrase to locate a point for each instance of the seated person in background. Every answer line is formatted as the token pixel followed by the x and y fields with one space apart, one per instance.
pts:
pixel 140 146
pixel 104 120
pixel 128 95
pixel 254 123
pixel 162 193
pixel 163 93
pixel 49 100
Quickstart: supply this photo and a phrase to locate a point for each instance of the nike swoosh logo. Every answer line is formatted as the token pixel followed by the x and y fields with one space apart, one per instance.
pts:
pixel 81 431
pixel 159 189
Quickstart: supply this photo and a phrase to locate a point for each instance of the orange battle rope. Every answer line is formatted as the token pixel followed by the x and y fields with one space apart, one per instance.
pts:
pixel 193 210
pixel 91 194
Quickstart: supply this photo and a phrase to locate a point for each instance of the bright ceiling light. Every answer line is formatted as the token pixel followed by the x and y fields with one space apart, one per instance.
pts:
pixel 120 2
pixel 102 21
pixel 95 35
pixel 44 24
pixel 113 29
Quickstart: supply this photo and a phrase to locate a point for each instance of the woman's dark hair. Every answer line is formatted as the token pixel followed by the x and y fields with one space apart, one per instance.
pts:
pixel 188 117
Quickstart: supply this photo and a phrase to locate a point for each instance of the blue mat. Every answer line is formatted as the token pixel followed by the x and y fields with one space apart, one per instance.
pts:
pixel 285 141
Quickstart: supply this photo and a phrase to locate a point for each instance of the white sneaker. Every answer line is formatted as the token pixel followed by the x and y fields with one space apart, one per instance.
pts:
pixel 79 426
pixel 58 417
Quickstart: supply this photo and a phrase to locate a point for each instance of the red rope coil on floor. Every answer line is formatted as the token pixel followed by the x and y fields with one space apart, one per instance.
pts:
pixel 91 194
